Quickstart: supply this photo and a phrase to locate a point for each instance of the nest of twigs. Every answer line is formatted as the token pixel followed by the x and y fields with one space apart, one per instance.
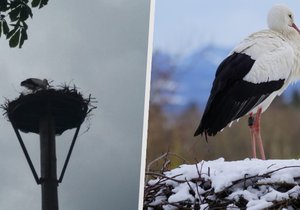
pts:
pixel 193 187
pixel 66 105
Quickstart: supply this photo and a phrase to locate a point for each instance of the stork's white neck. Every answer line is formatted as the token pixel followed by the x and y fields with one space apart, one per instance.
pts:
pixel 294 41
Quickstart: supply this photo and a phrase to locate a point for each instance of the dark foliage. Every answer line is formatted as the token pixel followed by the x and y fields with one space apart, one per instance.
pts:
pixel 13 17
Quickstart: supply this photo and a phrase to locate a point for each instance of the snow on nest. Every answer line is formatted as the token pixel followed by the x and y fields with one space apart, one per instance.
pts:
pixel 248 184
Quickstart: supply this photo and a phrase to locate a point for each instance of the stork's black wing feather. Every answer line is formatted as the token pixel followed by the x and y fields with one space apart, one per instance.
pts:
pixel 232 97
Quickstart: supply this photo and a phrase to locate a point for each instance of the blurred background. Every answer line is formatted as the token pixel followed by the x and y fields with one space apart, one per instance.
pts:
pixel 190 40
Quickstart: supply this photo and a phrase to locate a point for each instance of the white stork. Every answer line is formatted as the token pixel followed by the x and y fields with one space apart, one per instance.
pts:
pixel 35 84
pixel 255 72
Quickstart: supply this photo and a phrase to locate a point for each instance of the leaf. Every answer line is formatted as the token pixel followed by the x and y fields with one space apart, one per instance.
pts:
pixel 14 40
pixel 25 26
pixel 29 11
pixel 43 3
pixel 3 5
pixel 24 34
pixel 1 25
pixel 14 14
pixel 35 3
pixel 39 3
pixel 14 4
pixel 24 14
pixel 12 32
pixel 5 27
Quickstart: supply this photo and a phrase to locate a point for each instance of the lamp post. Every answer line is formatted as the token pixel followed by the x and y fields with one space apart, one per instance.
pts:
pixel 48 112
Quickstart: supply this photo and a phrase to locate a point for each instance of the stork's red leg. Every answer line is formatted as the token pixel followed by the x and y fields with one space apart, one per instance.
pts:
pixel 252 132
pixel 257 134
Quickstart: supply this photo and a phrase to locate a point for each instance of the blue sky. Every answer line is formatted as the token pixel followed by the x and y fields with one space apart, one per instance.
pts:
pixel 181 26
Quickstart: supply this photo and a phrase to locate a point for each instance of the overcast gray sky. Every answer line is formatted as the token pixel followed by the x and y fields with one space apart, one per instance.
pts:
pixel 101 47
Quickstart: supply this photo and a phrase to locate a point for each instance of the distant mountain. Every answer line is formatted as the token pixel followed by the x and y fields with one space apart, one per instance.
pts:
pixel 191 76
pixel 197 71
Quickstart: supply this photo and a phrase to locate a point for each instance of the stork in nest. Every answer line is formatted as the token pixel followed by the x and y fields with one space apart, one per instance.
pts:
pixel 35 84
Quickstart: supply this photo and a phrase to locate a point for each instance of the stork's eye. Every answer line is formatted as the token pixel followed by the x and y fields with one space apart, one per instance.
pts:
pixel 290 16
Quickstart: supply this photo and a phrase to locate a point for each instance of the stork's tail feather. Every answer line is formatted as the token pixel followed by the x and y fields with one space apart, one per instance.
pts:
pixel 199 131
pixel 205 135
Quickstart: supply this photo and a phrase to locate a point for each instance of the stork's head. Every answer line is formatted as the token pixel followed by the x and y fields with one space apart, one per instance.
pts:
pixel 45 82
pixel 281 19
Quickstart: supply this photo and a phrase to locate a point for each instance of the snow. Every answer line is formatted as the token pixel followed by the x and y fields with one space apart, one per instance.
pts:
pixel 258 182
pixel 254 205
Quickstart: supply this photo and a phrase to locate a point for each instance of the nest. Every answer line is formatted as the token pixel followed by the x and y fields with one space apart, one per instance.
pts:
pixel 66 105
pixel 199 193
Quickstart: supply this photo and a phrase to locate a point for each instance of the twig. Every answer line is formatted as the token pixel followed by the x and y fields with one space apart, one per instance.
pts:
pixel 166 177
pixel 199 174
pixel 265 175
pixel 165 163
pixel 192 191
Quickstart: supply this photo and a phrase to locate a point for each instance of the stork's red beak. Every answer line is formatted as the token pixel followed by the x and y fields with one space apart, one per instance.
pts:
pixel 295 27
